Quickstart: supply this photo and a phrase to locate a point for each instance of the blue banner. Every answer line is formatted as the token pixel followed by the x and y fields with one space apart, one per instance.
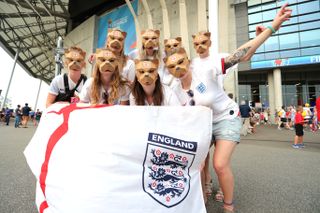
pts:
pixel 120 18
pixel 286 62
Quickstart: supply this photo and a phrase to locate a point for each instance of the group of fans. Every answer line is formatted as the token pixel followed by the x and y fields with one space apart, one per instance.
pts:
pixel 155 78
pixel 285 118
pixel 21 116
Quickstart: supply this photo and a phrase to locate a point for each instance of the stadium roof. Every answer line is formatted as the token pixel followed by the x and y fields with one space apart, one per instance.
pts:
pixel 33 26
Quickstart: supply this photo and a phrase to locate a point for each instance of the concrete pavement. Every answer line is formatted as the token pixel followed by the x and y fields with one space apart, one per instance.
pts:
pixel 270 175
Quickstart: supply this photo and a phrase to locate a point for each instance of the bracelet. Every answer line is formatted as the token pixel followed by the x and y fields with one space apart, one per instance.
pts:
pixel 272 29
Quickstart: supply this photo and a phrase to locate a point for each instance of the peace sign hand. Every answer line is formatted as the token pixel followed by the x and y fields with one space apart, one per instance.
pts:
pixel 283 15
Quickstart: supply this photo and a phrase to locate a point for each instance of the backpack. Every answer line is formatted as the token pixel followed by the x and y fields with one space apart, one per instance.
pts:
pixel 69 93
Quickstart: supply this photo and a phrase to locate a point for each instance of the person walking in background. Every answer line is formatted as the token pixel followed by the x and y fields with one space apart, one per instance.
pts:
pixel 245 111
pixel 282 118
pixel 7 115
pixel 307 114
pixel 299 121
pixel 314 125
pixel 266 117
pixel 17 119
pixel 32 114
pixel 38 116
pixel 25 115
pixel 318 109
pixel 276 117
pixel 292 116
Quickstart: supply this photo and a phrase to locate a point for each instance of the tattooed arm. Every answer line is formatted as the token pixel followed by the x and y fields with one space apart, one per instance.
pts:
pixel 246 51
pixel 236 57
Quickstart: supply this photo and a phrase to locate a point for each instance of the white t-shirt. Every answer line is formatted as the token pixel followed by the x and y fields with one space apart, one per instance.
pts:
pixel 129 70
pixel 170 98
pixel 86 91
pixel 308 112
pixel 57 85
pixel 206 86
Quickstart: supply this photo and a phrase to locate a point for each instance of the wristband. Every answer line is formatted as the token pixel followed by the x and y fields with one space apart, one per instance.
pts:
pixel 272 29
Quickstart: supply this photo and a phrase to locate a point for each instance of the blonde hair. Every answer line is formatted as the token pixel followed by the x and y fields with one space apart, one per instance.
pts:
pixel 74 48
pixel 117 84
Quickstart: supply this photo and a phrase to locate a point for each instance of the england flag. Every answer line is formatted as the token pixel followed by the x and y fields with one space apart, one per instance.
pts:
pixel 119 159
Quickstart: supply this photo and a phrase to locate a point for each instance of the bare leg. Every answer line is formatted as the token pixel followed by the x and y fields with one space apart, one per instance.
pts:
pixel 296 140
pixel 221 162
pixel 207 171
pixel 300 139
pixel 203 181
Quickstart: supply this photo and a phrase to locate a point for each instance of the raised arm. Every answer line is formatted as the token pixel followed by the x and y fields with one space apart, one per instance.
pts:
pixel 246 51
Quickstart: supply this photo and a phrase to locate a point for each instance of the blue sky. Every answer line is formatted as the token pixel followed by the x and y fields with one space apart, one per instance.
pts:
pixel 24 88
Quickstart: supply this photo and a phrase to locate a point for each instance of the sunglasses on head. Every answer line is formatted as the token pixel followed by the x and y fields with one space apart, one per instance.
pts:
pixel 191 94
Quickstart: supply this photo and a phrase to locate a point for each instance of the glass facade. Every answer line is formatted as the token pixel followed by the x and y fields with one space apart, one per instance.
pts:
pixel 298 88
pixel 254 88
pixel 298 37
pixel 296 43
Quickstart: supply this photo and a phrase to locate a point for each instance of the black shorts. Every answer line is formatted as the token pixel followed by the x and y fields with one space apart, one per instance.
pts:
pixel 283 120
pixel 299 129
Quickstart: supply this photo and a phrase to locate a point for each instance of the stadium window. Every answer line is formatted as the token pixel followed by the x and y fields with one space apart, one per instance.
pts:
pixel 272 43
pixel 258 57
pixel 252 35
pixel 289 29
pixel 272 55
pixel 310 38
pixel 254 9
pixel 292 20
pixel 309 17
pixel 310 25
pixel 310 51
pixel 260 49
pixel 308 7
pixel 254 18
pixel 289 41
pixel 269 15
pixel 253 2
pixel 269 6
pixel 289 53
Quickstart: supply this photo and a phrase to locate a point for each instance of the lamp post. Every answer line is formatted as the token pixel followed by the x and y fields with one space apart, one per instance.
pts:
pixel 59 51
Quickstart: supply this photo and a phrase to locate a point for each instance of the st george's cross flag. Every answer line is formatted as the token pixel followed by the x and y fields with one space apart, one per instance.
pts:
pixel 120 159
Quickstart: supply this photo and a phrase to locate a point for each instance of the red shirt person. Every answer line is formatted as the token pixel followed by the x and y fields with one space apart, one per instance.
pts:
pixel 298 118
pixel 318 108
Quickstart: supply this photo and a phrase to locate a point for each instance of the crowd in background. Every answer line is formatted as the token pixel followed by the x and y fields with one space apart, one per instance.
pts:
pixel 284 117
pixel 20 115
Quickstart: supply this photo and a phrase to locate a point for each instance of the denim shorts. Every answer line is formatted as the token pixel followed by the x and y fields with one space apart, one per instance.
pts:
pixel 228 129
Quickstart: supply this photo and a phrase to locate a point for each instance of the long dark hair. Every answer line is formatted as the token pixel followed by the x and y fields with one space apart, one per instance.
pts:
pixel 140 96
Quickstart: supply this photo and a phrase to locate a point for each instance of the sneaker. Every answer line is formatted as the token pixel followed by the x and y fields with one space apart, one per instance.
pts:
pixel 301 145
pixel 295 146
pixel 279 128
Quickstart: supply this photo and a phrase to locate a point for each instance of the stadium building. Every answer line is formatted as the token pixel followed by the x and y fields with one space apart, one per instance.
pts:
pixel 284 71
